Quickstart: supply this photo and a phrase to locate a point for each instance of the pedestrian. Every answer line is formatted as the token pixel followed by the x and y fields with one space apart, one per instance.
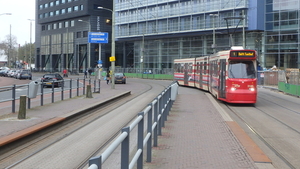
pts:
pixel 65 73
pixel 85 73
pixel 107 77
pixel 90 72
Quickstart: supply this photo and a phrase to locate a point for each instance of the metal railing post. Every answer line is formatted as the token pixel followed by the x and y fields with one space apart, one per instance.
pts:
pixel 77 86
pixel 62 90
pixel 42 94
pixel 140 138
pixel 96 161
pixel 160 125
pixel 83 86
pixel 53 91
pixel 14 98
pixel 70 88
pixel 125 149
pixel 149 130
pixel 155 133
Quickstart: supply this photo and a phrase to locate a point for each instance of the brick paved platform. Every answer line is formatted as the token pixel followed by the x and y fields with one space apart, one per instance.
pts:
pixel 196 135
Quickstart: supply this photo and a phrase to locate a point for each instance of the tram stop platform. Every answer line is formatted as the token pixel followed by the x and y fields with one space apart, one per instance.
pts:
pixel 195 135
pixel 200 134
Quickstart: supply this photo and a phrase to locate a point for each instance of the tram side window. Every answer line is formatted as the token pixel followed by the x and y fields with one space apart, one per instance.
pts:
pixel 241 69
pixel 190 67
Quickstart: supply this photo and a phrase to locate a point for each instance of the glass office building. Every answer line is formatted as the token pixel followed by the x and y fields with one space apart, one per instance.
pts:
pixel 62 29
pixel 152 33
pixel 282 34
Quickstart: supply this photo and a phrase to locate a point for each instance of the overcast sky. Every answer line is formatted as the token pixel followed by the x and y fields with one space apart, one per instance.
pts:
pixel 21 11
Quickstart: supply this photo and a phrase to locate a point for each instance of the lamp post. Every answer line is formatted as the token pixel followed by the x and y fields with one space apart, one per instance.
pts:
pixel 214 32
pixel 30 42
pixel 89 44
pixel 112 58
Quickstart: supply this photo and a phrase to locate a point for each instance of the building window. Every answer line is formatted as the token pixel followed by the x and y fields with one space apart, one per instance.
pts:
pixel 63 1
pixel 81 7
pixel 63 11
pixel 48 27
pixel 51 14
pixel 66 24
pixel 57 12
pixel 69 10
pixel 40 16
pixel 57 2
pixel 85 34
pixel 51 4
pixel 41 7
pixel 60 25
pixel 69 0
pixel 72 23
pixel 54 26
pixel 75 8
pixel 46 5
pixel 46 15
pixel 78 34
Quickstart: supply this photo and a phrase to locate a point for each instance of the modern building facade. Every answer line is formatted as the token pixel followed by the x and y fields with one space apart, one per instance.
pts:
pixel 62 29
pixel 282 34
pixel 149 34
pixel 160 31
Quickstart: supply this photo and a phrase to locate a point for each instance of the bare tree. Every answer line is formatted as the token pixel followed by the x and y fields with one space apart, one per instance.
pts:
pixel 10 47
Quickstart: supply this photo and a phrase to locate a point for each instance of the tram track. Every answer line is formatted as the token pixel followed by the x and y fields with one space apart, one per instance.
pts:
pixel 40 141
pixel 264 134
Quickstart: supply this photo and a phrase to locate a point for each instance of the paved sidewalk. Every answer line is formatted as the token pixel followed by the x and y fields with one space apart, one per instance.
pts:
pixel 196 136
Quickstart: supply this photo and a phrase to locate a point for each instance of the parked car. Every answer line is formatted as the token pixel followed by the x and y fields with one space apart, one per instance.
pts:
pixel 4 72
pixel 120 78
pixel 10 73
pixel 24 74
pixel 14 73
pixel 50 78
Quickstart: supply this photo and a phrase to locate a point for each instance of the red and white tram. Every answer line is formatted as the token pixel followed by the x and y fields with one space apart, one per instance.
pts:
pixel 230 76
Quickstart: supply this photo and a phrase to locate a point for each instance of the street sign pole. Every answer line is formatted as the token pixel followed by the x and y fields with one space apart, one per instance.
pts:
pixel 99 64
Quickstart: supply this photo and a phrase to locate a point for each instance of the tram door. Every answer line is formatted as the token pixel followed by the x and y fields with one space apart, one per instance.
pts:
pixel 200 72
pixel 186 74
pixel 222 79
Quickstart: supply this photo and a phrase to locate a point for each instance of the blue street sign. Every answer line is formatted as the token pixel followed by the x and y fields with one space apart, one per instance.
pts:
pixel 99 61
pixel 98 37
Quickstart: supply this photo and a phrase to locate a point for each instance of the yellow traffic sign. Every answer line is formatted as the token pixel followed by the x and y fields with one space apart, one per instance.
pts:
pixel 112 58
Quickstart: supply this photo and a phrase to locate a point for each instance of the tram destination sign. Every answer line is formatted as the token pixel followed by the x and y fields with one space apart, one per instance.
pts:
pixel 98 37
pixel 242 54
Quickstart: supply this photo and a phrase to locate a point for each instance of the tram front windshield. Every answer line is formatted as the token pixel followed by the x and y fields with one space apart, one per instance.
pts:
pixel 241 69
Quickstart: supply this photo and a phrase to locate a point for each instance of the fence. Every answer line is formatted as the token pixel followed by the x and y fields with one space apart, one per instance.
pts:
pixel 155 114
pixel 80 83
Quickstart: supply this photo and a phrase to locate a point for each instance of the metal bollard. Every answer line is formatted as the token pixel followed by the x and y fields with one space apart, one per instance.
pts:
pixel 89 91
pixel 22 107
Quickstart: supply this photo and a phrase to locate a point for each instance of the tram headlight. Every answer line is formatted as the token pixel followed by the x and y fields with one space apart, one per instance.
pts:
pixel 252 89
pixel 233 89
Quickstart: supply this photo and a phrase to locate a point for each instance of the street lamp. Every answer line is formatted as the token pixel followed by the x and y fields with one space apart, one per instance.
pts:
pixel 214 32
pixel 89 44
pixel 112 58
pixel 30 42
